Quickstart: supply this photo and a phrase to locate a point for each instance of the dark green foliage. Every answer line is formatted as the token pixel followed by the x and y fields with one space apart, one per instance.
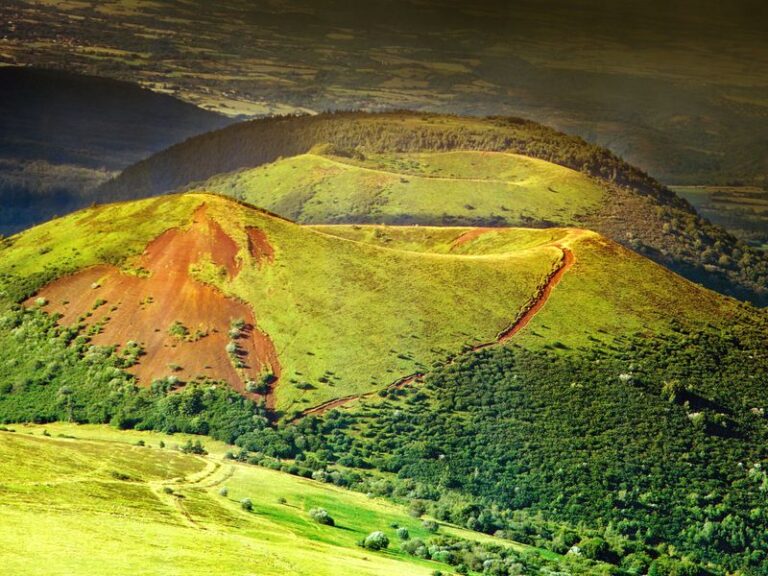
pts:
pixel 195 447
pixel 568 437
pixel 54 374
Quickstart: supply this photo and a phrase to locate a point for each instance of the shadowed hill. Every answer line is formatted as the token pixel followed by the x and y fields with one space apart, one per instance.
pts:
pixel 62 134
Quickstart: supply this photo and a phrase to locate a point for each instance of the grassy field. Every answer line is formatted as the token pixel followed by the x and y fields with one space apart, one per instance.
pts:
pixel 609 292
pixel 156 511
pixel 743 210
pixel 422 188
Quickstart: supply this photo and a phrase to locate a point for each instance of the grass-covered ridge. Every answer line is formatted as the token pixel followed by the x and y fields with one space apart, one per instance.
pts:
pixel 635 210
pixel 345 317
pixel 460 188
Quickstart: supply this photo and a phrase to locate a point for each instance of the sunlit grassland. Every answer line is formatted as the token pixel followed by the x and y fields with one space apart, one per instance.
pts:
pixel 457 187
pixel 87 500
pixel 352 309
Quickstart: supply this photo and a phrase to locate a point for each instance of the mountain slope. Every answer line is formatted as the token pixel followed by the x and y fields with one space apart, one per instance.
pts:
pixel 198 286
pixel 547 385
pixel 62 134
pixel 480 188
pixel 636 211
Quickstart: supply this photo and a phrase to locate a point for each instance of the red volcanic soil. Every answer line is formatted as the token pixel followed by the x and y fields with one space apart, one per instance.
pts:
pixel 143 308
pixel 468 236
pixel 259 246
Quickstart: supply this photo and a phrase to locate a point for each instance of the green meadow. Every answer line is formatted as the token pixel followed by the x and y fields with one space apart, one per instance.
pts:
pixel 156 511
pixel 459 187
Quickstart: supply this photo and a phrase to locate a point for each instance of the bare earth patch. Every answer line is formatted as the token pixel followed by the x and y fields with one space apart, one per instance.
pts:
pixel 144 307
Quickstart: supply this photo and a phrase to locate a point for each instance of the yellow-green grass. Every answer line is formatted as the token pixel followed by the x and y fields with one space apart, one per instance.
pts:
pixel 98 504
pixel 609 291
pixel 345 316
pixel 457 187
pixel 352 309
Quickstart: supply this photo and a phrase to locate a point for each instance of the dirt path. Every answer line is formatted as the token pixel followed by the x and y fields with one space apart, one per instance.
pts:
pixel 529 312
pixel 537 303
pixel 412 175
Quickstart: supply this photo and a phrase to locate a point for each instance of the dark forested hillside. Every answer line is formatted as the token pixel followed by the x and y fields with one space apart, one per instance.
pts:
pixel 63 134
pixel 638 211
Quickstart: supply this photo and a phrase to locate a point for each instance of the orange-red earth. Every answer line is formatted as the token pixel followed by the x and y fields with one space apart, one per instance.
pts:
pixel 144 307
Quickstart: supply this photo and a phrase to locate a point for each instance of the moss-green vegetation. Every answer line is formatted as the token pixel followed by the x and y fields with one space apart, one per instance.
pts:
pixel 346 317
pixel 465 188
pixel 660 442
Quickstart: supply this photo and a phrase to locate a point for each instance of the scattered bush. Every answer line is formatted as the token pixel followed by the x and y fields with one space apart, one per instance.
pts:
pixel 321 516
pixel 376 541
pixel 246 504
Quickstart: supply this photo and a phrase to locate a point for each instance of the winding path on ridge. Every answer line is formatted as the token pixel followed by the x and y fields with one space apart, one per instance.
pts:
pixel 523 319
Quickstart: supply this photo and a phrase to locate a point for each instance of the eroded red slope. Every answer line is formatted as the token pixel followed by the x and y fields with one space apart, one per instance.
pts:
pixel 144 307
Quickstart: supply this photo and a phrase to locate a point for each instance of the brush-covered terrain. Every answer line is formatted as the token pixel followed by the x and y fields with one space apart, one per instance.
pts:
pixel 379 181
pixel 546 387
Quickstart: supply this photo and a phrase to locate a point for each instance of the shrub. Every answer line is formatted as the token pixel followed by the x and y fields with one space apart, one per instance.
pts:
pixel 224 491
pixel 430 525
pixel 178 330
pixel 666 566
pixel 246 504
pixel 403 533
pixel 376 541
pixel 195 447
pixel 418 509
pixel 321 516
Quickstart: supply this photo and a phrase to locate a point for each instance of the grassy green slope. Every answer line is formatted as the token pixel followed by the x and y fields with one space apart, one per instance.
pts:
pixel 457 187
pixel 158 511
pixel 346 317
pixel 352 309
pixel 609 292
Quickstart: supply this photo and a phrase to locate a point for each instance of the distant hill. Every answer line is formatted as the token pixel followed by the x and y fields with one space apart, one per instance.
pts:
pixel 633 209
pixel 62 134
